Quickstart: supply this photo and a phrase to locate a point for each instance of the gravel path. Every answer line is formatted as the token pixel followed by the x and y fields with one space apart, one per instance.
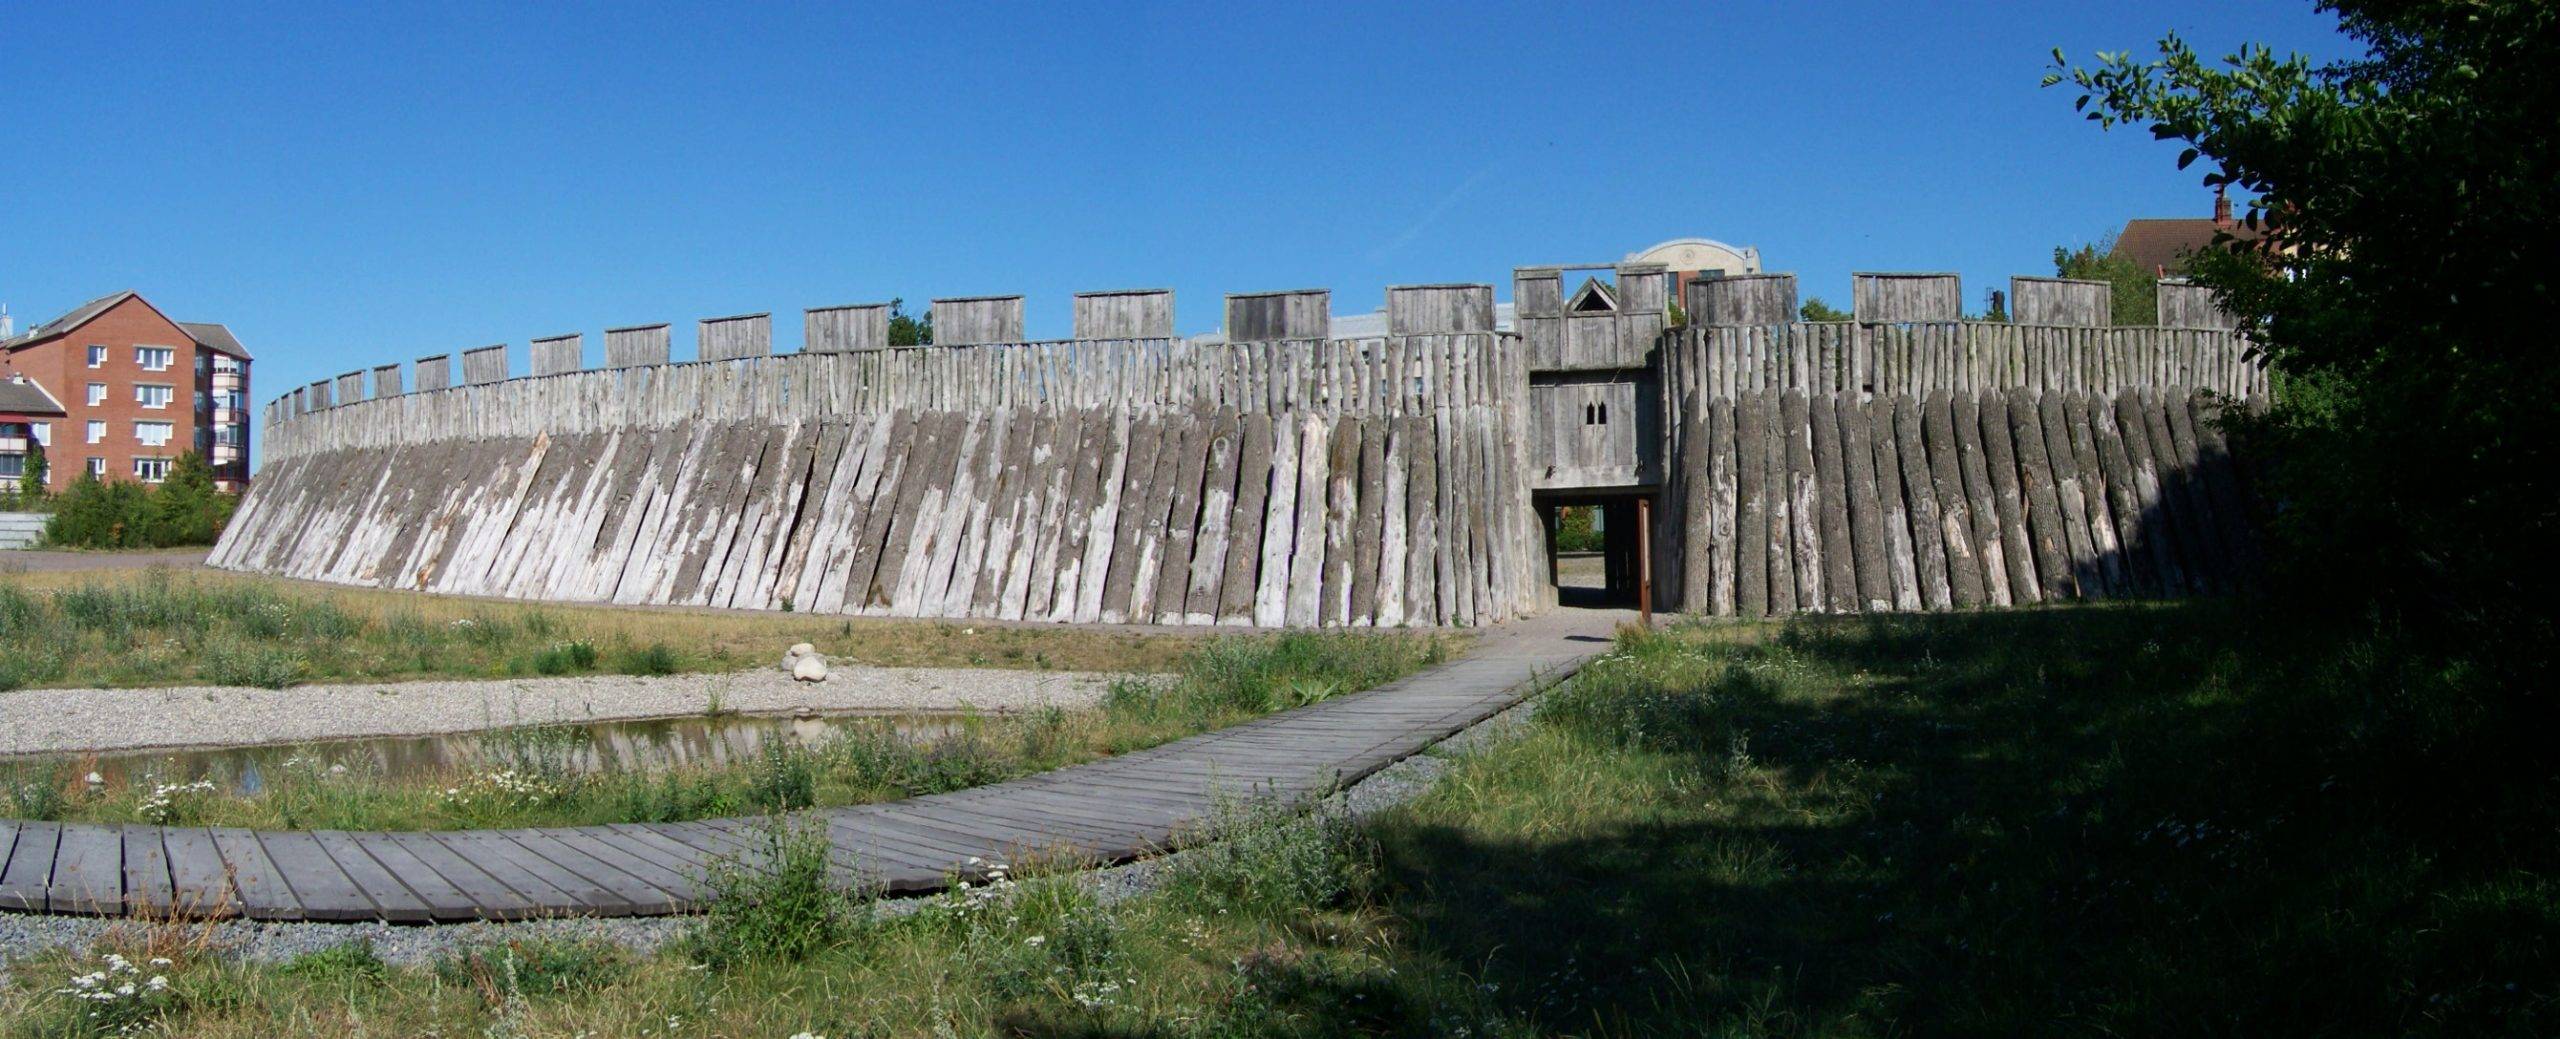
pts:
pixel 36 721
pixel 24 934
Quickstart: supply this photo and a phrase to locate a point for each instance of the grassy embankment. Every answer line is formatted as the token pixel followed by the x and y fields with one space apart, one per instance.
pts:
pixel 533 781
pixel 2090 821
pixel 156 627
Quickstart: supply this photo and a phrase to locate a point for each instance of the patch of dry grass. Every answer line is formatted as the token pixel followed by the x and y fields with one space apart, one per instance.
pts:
pixel 382 635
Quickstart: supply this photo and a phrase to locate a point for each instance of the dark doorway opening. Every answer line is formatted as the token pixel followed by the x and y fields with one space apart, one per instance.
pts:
pixel 1593 553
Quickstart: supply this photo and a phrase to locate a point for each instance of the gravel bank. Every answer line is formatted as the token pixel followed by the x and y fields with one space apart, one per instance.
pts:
pixel 41 721
pixel 22 934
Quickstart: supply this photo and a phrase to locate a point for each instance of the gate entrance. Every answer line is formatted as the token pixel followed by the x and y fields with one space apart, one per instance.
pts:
pixel 1594 551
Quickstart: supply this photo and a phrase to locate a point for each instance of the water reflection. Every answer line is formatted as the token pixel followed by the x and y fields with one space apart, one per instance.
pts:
pixel 652 745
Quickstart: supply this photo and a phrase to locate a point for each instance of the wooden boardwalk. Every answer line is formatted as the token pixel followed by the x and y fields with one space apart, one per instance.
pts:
pixel 1106 811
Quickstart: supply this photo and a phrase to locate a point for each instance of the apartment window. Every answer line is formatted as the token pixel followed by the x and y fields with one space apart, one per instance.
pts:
pixel 154 434
pixel 97 432
pixel 98 468
pixel 12 465
pixel 227 434
pixel 151 470
pixel 97 393
pixel 42 432
pixel 154 358
pixel 97 356
pixel 154 396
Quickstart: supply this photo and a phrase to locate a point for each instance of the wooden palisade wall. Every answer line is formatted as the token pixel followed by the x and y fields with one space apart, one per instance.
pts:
pixel 2061 301
pixel 973 320
pixel 857 326
pixel 729 338
pixel 1357 482
pixel 1840 468
pixel 555 354
pixel 1131 314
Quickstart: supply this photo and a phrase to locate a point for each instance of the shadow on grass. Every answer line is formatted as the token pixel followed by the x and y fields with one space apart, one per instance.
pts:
pixel 2116 821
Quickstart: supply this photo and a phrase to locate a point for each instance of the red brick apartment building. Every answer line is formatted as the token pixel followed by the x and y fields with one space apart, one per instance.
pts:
pixel 133 390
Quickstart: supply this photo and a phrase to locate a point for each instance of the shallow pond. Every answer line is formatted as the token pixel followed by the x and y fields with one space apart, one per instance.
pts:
pixel 649 745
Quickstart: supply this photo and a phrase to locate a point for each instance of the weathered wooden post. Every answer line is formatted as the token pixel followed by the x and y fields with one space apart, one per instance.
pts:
pixel 1254 317
pixel 486 364
pixel 632 346
pixel 846 329
pixel 2185 304
pixel 976 320
pixel 2066 302
pixel 1537 314
pixel 386 380
pixel 1644 560
pixel 731 338
pixel 435 373
pixel 1124 314
pixel 1741 299
pixel 1879 298
pixel 1429 309
pixel 553 355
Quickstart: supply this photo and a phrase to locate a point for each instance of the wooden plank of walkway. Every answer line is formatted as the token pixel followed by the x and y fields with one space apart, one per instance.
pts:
pixel 481 894
pixel 441 899
pixel 88 871
pixel 391 899
pixel 199 883
pixel 146 872
pixel 317 882
pixel 30 866
pixel 1112 810
pixel 263 892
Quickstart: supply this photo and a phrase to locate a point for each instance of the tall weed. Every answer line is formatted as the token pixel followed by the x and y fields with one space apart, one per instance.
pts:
pixel 773 904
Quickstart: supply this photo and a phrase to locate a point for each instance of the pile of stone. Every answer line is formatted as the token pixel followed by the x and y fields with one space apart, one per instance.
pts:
pixel 804 663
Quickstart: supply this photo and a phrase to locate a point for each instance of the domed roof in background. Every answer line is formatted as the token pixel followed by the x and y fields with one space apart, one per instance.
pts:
pixel 1700 254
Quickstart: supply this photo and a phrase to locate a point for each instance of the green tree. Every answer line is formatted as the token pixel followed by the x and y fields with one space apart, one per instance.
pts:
pixel 909 331
pixel 2134 295
pixel 1814 309
pixel 95 513
pixel 2405 196
pixel 186 509
pixel 31 479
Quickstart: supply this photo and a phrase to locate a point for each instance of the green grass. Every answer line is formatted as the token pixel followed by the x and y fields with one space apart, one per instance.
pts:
pixel 157 626
pixel 531 779
pixel 2107 821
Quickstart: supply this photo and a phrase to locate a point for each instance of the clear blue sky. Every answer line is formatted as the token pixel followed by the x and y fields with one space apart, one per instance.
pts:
pixel 348 187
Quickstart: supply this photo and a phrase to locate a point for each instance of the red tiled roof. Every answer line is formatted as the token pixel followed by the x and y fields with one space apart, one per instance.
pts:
pixel 2162 246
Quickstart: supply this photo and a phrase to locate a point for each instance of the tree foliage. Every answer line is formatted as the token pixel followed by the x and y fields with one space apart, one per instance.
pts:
pixel 1814 309
pixel 31 478
pixel 185 509
pixel 2399 293
pixel 2133 294
pixel 905 330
